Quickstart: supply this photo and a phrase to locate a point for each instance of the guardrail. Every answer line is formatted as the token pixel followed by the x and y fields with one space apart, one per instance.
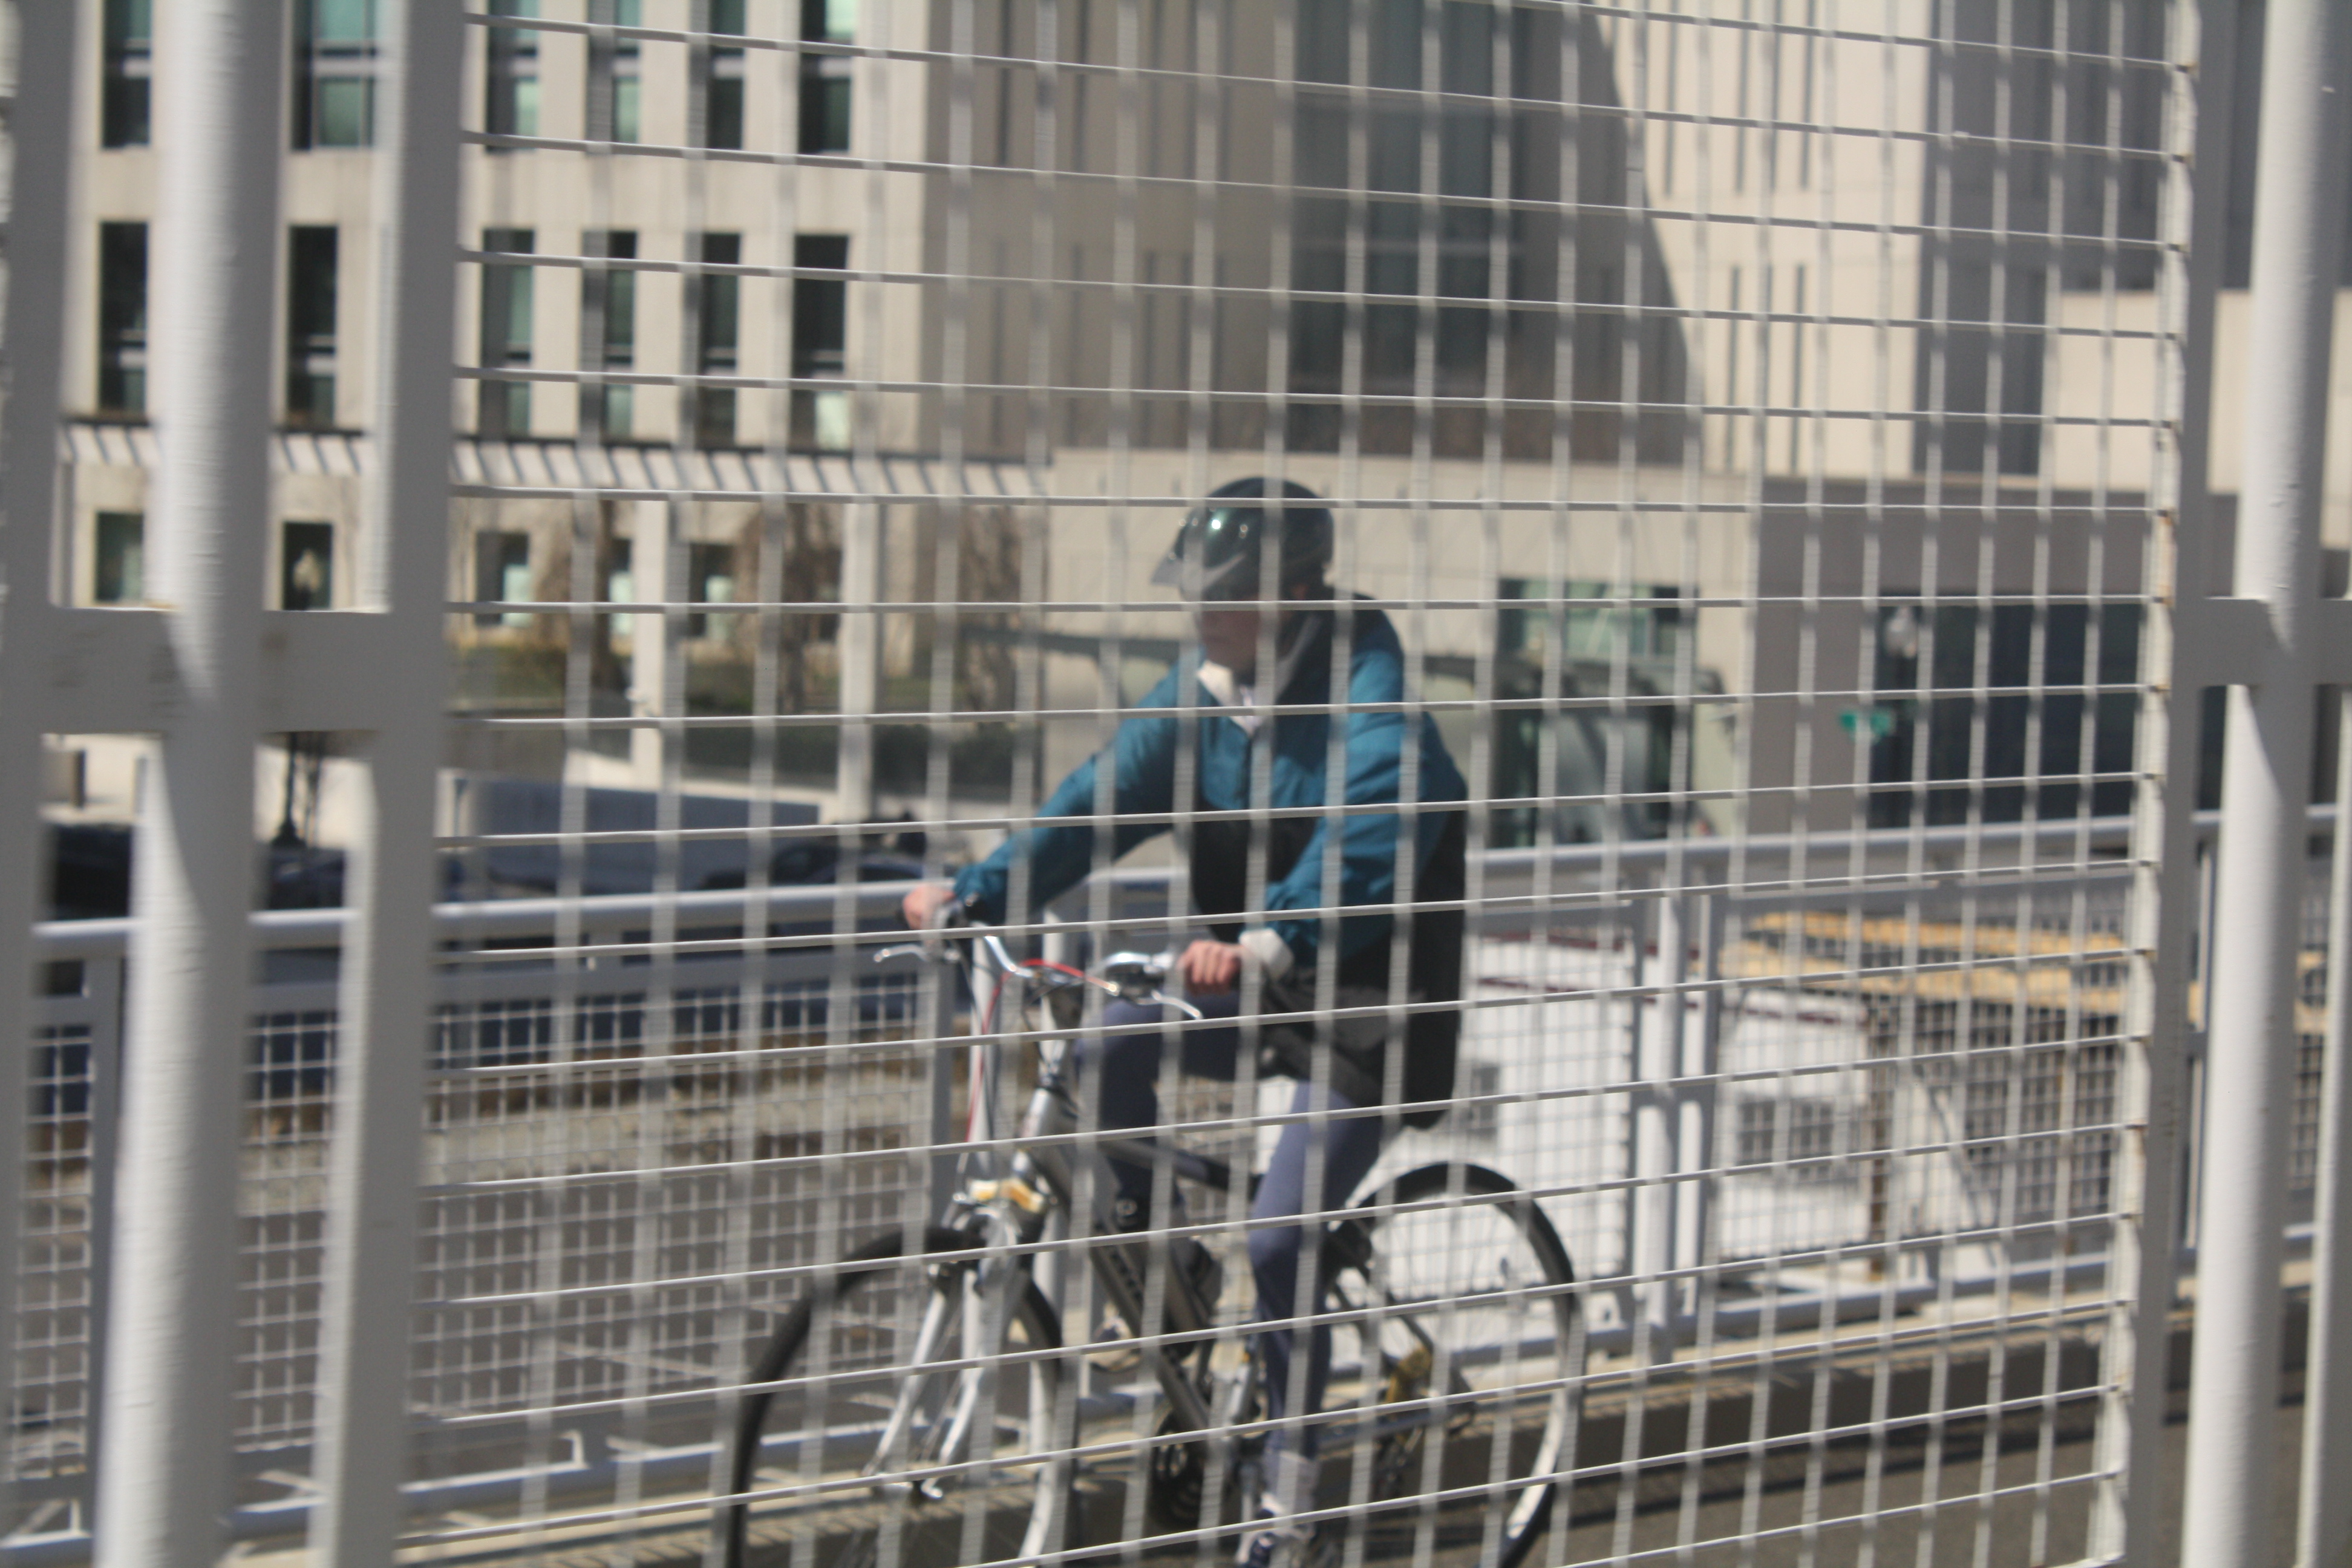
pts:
pixel 639 1107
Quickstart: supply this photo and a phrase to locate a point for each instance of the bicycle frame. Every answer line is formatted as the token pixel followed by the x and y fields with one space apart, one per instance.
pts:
pixel 1014 1212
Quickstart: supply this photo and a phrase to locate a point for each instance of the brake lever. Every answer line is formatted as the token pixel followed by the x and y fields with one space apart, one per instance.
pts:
pixel 1161 999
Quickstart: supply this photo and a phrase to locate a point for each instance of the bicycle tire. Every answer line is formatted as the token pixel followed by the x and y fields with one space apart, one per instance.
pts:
pixel 786 1346
pixel 1510 1516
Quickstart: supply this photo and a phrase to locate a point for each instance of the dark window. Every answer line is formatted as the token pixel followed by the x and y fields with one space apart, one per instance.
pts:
pixel 820 340
pixel 1640 631
pixel 310 327
pixel 502 576
pixel 306 566
pixel 620 571
pixel 1987 214
pixel 722 80
pixel 608 332
pixel 824 78
pixel 1386 232
pixel 121 576
pixel 123 97
pixel 334 73
pixel 505 332
pixel 717 304
pixel 616 81
pixel 122 318
pixel 1585 752
pixel 512 74
pixel 1923 735
pixel 709 580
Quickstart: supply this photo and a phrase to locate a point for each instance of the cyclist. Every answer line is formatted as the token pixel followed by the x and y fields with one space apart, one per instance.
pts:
pixel 1327 649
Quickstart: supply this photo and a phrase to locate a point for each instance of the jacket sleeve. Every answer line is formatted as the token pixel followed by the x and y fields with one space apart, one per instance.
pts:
pixel 1375 746
pixel 1142 757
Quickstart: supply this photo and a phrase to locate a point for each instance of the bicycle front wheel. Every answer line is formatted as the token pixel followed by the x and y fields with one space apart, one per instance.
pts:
pixel 922 1433
pixel 1457 1298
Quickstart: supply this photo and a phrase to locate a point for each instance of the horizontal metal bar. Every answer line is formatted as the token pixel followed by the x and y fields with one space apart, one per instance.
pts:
pixel 112 671
pixel 1401 95
pixel 1790 1311
pixel 1509 871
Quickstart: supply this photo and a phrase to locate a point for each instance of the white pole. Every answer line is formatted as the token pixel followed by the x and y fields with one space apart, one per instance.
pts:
pixel 40 135
pixel 859 647
pixel 2266 786
pixel 371 1266
pixel 1694 1104
pixel 2324 1521
pixel 164 1450
pixel 650 542
pixel 1655 1126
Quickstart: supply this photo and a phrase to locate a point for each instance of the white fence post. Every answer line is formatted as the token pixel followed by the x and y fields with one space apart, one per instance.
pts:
pixel 2324 1521
pixel 165 1468
pixel 1656 1123
pixel 386 1004
pixel 40 138
pixel 1695 1102
pixel 2249 1088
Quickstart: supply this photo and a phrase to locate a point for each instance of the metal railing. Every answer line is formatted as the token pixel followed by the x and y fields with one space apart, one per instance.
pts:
pixel 1783 441
pixel 538 1163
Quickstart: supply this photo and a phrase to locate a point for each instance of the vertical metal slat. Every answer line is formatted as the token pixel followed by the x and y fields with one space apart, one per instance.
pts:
pixel 2250 1095
pixel 163 1469
pixel 385 1006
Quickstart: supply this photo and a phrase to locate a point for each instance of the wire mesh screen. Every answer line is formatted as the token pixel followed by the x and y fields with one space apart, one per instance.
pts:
pixel 1511 648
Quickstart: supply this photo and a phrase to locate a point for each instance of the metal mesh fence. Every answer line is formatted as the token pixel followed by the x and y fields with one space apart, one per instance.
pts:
pixel 1674 858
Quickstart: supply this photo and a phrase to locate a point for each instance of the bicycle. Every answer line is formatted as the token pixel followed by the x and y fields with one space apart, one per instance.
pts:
pixel 1453 1288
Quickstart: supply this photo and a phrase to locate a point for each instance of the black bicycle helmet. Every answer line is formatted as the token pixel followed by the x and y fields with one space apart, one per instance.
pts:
pixel 1219 551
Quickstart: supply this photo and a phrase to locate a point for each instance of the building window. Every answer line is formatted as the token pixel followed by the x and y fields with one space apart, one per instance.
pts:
pixel 608 333
pixel 505 333
pixel 722 80
pixel 122 318
pixel 123 98
pixel 1579 754
pixel 1639 631
pixel 824 78
pixel 1936 723
pixel 334 73
pixel 512 74
pixel 310 327
pixel 1384 247
pixel 718 308
pixel 709 580
pixel 502 576
pixel 614 76
pixel 620 572
pixel 1800 1130
pixel 121 555
pixel 820 340
pixel 306 566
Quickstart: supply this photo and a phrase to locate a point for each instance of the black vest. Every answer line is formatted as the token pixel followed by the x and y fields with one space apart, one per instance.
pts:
pixel 1220 867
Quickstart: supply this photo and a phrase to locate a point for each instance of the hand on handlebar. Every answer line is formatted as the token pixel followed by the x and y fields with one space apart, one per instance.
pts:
pixel 1210 967
pixel 923 903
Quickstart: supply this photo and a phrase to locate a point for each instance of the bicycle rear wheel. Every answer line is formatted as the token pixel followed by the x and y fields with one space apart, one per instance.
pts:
pixel 851 1357
pixel 1458 1301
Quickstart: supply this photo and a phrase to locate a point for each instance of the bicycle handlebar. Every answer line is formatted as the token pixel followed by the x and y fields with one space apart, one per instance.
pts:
pixel 1135 976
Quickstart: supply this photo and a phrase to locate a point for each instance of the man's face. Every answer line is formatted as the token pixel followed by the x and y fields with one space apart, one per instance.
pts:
pixel 1229 635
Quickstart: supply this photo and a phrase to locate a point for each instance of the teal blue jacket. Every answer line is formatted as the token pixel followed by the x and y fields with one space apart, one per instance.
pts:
pixel 1143 759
